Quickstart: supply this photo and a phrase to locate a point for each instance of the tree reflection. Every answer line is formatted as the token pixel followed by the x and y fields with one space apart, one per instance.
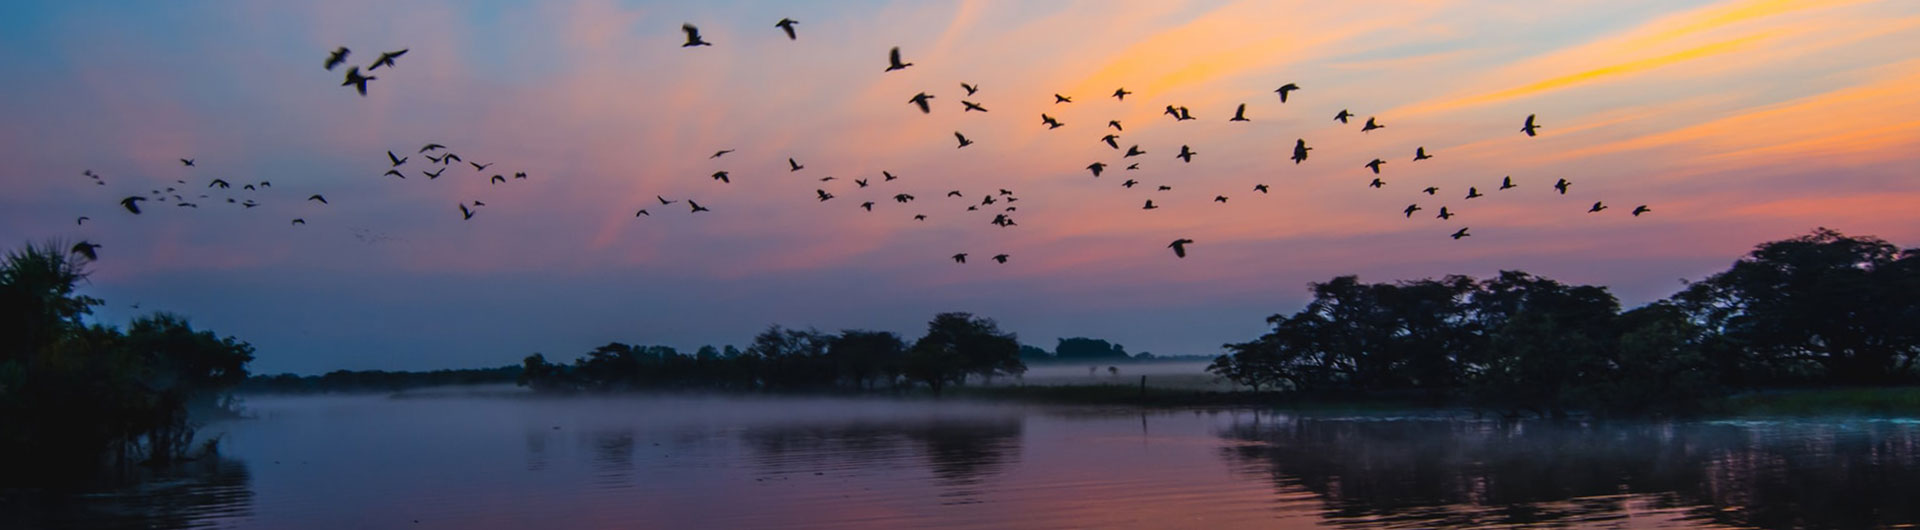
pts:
pixel 1422 473
pixel 189 494
pixel 959 453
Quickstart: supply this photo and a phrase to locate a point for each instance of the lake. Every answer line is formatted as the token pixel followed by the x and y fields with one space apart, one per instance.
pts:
pixel 508 460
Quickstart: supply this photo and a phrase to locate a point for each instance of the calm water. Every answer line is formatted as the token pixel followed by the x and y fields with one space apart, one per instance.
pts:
pixel 500 462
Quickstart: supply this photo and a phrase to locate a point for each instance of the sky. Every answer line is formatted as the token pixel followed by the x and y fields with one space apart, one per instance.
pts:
pixel 1735 121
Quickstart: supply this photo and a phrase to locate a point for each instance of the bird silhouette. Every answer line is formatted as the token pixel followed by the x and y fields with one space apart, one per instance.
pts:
pixel 1133 166
pixel 479 166
pixel 359 82
pixel 970 88
pixel 1596 207
pixel 1530 128
pixel 960 258
pixel 1184 115
pixel 693 36
pixel 218 183
pixel 430 147
pixel 1115 124
pixel 397 160
pixel 786 24
pixel 1120 93
pixel 1444 214
pixel 722 177
pixel 893 60
pixel 963 139
pixel 920 217
pixel 1149 205
pixel 298 221
pixel 465 213
pixel 1637 210
pixel 954 193
pixel 1240 114
pixel 1376 183
pixel 695 207
pixel 1420 153
pixel 1462 233
pixel 1165 188
pixel 1262 188
pixel 826 178
pixel 824 196
pixel 87 250
pixel 889 176
pixel 431 158
pixel 1058 99
pixel 1186 155
pixel 1371 125
pixel 1129 183
pixel 186 162
pixel 1472 192
pixel 971 106
pixel 520 175
pixel 433 174
pixel 1097 167
pixel 450 158
pixel 794 166
pixel 1110 140
pixel 1133 152
pixel 82 220
pixel 861 182
pixel 1220 199
pixel 1375 165
pixel 1342 116
pixel 1002 258
pixel 1286 89
pixel 478 203
pixel 248 187
pixel 338 57
pixel 1300 150
pixel 663 200
pixel 720 153
pixel 1562 186
pixel 867 205
pixel 497 179
pixel 386 59
pixel 1179 247
pixel 317 197
pixel 921 100
pixel 1506 182
pixel 1049 121
pixel 394 172
pixel 1410 209
pixel 902 198
pixel 642 211
pixel 1430 190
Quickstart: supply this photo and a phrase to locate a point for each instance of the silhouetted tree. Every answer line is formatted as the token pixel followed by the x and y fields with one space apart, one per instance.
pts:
pixel 986 350
pixel 863 356
pixel 1082 348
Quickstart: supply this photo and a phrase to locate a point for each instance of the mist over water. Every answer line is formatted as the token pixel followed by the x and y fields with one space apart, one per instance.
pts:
pixel 505 459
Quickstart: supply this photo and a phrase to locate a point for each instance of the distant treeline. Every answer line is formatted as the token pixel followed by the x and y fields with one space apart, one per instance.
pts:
pixel 1083 349
pixel 1822 309
pixel 78 396
pixel 376 380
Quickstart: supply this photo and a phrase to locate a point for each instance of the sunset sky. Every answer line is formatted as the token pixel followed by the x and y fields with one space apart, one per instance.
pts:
pixel 1737 122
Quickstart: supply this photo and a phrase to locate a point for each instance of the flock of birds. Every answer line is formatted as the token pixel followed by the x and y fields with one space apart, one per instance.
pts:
pixel 439 158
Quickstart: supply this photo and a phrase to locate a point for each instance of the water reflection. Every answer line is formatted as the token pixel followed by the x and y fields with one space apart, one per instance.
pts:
pixel 190 495
pixel 1425 473
pixel 959 452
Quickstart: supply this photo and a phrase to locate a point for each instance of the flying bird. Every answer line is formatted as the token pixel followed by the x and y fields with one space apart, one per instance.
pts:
pixel 1342 116
pixel 1115 124
pixel 1133 166
pixel 902 198
pixel 921 100
pixel 1562 186
pixel 317 197
pixel 893 60
pixel 1636 210
pixel 1002 258
pixel 1049 121
pixel 786 24
pixel 971 106
pixel 920 217
pixel 1462 233
pixel 1410 209
pixel 861 182
pixel 1530 128
pixel 298 221
pixel 430 147
pixel 1220 199
pixel 954 193
pixel 397 160
pixel 218 183
pixel 87 250
pixel 663 200
pixel 1596 207
pixel 1149 205
pixel 889 176
pixel 434 174
pixel 465 213
pixel 970 88
pixel 1097 167
pixel 1376 183
pixel 1166 188
pixel 1186 155
pixel 1300 150
pixel 1133 152
pixel 338 57
pixel 1444 214
pixel 1240 114
pixel 1120 93
pixel 1286 89
pixel 1129 183
pixel 867 205
pixel 1420 153
pixel 794 166
pixel 963 139
pixel 1430 190
pixel 1058 99
pixel 693 36
pixel 1375 165
pixel 394 172
pixel 522 175
pixel 722 177
pixel 1371 125
pixel 479 166
pixel 720 153
pixel 359 82
pixel 498 179
pixel 1472 192
pixel 450 158
pixel 186 162
pixel 1179 247
pixel 695 207
pixel 1262 188
pixel 82 220
pixel 960 258
pixel 1506 182
pixel 824 196
pixel 642 211
pixel 386 59
pixel 1110 140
